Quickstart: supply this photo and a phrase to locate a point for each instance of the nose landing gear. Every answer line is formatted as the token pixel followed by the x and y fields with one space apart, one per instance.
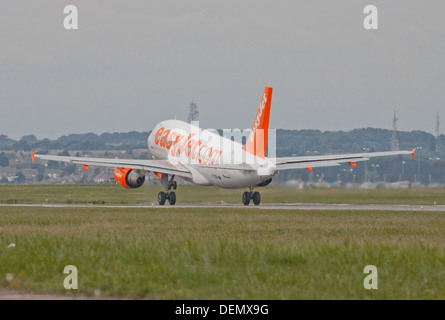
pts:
pixel 255 196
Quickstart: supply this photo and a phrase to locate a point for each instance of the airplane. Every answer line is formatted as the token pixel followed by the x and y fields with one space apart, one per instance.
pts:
pixel 205 158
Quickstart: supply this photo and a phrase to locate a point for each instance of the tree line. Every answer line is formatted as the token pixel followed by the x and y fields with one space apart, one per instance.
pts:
pixel 428 166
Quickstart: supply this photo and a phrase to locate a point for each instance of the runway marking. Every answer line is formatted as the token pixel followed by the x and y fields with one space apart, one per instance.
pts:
pixel 266 206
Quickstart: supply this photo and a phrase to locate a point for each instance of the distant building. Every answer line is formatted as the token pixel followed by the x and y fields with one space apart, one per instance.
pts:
pixel 102 178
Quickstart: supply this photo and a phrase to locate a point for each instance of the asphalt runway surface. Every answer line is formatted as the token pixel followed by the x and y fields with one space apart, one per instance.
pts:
pixel 266 206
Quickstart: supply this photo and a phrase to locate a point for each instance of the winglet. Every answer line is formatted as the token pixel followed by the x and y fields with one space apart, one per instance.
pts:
pixel 413 152
pixel 32 156
pixel 85 166
pixel 352 164
pixel 309 169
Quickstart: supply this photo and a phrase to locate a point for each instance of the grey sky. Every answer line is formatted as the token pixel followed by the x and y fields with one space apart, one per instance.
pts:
pixel 132 64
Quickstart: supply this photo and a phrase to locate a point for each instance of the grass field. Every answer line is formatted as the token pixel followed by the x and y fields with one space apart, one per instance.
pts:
pixel 114 194
pixel 221 253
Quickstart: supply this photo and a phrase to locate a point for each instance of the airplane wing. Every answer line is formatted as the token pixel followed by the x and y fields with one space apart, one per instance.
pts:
pixel 162 166
pixel 176 168
pixel 288 163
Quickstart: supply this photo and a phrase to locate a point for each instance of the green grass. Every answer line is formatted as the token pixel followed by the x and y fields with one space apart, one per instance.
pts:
pixel 114 194
pixel 224 254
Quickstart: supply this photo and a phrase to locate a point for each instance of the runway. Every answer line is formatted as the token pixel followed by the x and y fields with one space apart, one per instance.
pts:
pixel 266 206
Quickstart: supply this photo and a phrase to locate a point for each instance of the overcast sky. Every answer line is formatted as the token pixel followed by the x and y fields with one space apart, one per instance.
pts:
pixel 132 64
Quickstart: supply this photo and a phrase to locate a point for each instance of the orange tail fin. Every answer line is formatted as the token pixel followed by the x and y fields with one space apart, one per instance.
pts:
pixel 257 142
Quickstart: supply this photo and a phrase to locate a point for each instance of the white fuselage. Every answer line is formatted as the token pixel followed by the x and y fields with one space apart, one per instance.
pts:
pixel 201 150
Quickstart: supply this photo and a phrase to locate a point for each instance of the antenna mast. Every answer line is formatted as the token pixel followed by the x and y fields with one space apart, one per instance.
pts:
pixel 193 112
pixel 437 133
pixel 394 141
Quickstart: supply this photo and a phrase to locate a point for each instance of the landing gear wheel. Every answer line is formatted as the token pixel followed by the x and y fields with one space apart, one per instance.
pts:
pixel 161 198
pixel 246 198
pixel 256 198
pixel 172 198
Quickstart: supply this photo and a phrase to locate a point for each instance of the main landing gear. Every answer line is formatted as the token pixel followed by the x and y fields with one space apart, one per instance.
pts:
pixel 255 196
pixel 168 185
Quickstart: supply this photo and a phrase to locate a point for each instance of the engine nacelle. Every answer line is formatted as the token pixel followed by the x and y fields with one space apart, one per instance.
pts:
pixel 129 178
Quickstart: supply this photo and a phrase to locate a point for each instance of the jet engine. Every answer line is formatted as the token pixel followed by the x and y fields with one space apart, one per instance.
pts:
pixel 129 178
